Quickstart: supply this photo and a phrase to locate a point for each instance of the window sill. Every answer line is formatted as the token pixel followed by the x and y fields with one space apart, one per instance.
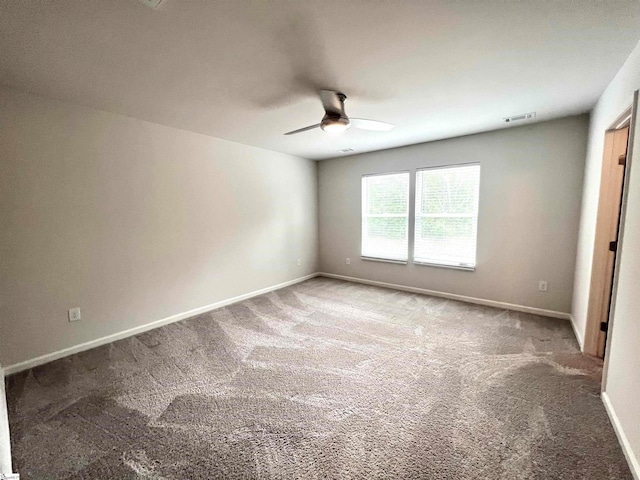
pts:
pixel 384 260
pixel 443 265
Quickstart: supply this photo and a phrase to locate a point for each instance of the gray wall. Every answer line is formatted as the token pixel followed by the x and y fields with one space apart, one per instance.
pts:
pixel 623 364
pixel 613 102
pixel 135 222
pixel 530 190
pixel 622 386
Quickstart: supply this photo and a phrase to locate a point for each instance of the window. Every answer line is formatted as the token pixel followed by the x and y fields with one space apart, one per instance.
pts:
pixel 385 216
pixel 447 215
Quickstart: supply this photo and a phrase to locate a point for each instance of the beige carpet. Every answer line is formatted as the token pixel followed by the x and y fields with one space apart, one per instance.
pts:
pixel 325 379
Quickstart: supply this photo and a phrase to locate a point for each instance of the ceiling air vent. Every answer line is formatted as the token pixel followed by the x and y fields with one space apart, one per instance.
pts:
pixel 519 118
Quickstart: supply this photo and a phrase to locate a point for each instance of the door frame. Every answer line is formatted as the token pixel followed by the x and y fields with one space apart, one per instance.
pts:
pixel 596 299
pixel 623 212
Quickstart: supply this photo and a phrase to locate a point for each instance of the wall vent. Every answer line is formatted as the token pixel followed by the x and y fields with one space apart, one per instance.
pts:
pixel 519 118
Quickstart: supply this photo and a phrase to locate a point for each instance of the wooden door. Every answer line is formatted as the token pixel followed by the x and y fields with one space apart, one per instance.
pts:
pixel 606 239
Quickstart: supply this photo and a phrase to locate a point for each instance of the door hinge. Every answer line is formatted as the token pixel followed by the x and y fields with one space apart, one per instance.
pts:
pixel 622 159
pixel 613 246
pixel 604 326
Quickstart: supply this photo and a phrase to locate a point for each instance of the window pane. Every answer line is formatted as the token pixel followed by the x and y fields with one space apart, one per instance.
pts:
pixel 448 190
pixel 385 205
pixel 388 193
pixel 447 215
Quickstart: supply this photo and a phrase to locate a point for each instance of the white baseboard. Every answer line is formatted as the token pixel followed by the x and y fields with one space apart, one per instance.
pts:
pixel 34 362
pixel 5 443
pixel 49 357
pixel 577 333
pixel 634 465
pixel 453 296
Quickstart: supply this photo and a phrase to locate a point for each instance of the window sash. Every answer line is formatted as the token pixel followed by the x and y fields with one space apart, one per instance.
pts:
pixel 393 249
pixel 445 249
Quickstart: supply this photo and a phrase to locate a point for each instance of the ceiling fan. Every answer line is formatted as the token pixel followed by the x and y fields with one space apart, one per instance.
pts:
pixel 335 120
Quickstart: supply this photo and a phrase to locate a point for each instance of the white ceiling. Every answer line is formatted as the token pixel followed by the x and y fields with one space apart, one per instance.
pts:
pixel 248 71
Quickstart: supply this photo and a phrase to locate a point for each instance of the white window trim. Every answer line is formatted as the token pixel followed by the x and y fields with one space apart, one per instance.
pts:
pixel 469 268
pixel 383 260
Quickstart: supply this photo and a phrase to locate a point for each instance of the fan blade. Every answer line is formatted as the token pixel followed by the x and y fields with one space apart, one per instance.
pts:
pixel 365 124
pixel 331 102
pixel 300 130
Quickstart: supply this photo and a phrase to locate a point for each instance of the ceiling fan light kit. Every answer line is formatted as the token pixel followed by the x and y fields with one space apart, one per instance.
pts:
pixel 335 125
pixel 335 119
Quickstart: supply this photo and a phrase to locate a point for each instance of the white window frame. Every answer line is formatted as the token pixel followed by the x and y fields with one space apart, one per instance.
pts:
pixel 442 264
pixel 365 215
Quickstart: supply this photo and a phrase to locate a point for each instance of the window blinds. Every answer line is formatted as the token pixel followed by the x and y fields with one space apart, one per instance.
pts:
pixel 385 216
pixel 447 215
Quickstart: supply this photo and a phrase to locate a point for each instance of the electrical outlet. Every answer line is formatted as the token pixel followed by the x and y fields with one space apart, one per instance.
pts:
pixel 542 285
pixel 299 262
pixel 348 261
pixel 74 314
